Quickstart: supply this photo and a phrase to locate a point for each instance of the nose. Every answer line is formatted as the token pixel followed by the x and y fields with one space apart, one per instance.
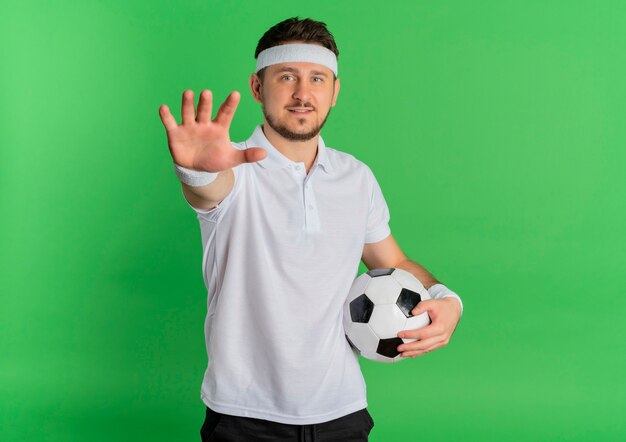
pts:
pixel 302 92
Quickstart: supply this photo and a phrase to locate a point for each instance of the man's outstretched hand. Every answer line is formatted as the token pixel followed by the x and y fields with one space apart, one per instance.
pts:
pixel 200 143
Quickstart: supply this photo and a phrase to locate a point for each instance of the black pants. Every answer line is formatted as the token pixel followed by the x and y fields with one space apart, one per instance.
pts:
pixel 218 427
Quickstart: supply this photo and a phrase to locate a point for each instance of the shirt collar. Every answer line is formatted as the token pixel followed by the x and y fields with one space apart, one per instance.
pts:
pixel 276 160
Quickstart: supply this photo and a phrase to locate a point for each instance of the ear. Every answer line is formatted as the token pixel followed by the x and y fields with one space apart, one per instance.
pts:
pixel 337 87
pixel 255 87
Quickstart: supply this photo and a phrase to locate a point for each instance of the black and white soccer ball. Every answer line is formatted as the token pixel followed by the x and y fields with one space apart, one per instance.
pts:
pixel 378 306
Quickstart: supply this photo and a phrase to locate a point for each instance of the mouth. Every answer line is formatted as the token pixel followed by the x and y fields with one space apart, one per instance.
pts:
pixel 300 110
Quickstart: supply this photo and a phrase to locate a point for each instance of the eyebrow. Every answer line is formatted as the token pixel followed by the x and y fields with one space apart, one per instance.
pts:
pixel 297 71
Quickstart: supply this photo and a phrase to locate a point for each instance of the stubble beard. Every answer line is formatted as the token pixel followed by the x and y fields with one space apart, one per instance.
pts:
pixel 285 132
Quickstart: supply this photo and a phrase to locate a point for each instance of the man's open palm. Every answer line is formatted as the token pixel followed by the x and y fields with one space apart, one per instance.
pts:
pixel 200 143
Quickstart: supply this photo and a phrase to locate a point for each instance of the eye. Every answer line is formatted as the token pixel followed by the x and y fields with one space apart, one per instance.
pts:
pixel 318 79
pixel 286 77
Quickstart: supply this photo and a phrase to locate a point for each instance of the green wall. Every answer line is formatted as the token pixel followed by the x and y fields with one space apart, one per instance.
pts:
pixel 496 131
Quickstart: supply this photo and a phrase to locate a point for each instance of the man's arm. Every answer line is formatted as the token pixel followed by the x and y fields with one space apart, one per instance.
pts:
pixel 209 196
pixel 387 254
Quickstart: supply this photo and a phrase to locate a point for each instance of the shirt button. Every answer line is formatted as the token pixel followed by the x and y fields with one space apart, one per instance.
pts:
pixel 310 206
pixel 298 167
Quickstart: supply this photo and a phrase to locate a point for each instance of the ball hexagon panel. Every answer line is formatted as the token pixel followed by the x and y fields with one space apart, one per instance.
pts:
pixel 383 290
pixel 407 280
pixel 362 336
pixel 387 320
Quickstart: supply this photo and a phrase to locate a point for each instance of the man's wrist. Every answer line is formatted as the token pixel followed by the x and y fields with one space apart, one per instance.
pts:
pixel 195 178
pixel 440 291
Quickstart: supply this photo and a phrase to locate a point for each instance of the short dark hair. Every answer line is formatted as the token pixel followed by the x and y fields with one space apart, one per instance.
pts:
pixel 295 29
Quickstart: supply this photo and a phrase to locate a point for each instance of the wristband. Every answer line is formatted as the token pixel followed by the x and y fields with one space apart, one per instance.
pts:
pixel 439 291
pixel 194 178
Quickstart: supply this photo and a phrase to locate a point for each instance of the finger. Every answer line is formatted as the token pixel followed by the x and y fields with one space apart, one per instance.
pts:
pixel 431 330
pixel 205 107
pixel 227 109
pixel 167 118
pixel 421 307
pixel 410 334
pixel 413 354
pixel 188 112
pixel 420 345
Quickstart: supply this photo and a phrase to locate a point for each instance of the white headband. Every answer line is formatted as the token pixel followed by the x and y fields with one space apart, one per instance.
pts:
pixel 295 52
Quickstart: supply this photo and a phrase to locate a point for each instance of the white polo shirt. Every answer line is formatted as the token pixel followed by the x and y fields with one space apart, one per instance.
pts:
pixel 280 254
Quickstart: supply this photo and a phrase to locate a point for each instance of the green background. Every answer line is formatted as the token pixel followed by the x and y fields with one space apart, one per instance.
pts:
pixel 495 129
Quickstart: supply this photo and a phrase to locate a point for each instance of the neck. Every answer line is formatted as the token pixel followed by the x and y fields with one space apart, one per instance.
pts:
pixel 297 151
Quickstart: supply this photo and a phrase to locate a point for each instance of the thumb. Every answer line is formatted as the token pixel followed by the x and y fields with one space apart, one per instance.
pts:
pixel 252 154
pixel 421 307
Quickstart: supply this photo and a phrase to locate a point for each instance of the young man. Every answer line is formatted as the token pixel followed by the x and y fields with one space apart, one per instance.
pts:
pixel 285 221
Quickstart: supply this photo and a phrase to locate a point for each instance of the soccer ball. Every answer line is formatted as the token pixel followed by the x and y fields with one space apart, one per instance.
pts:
pixel 378 306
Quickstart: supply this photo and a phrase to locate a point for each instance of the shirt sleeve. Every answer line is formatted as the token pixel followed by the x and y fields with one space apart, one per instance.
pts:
pixel 378 215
